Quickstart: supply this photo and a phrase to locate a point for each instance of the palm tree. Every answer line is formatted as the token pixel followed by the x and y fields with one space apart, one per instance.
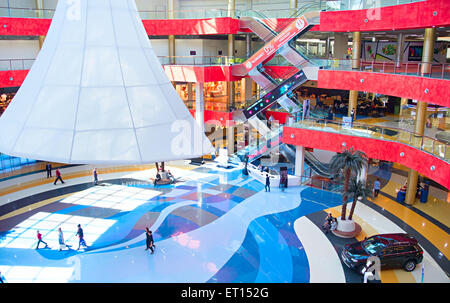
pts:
pixel 348 161
pixel 357 189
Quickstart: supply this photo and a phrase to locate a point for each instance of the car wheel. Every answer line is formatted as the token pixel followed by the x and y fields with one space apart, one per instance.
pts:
pixel 410 265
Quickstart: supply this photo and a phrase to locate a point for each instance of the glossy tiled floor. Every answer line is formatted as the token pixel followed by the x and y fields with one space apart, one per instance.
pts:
pixel 214 225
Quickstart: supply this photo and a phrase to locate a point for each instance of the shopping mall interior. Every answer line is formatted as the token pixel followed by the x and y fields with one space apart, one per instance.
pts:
pixel 296 110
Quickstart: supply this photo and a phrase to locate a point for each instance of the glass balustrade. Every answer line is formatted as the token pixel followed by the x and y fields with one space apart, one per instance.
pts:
pixel 318 5
pixel 421 69
pixel 430 145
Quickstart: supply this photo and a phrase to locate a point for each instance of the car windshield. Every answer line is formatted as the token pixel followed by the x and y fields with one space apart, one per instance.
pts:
pixel 373 246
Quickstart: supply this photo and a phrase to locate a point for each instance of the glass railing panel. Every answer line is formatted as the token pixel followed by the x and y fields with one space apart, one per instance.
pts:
pixel 199 60
pixel 305 6
pixel 16 64
pixel 427 144
pixel 421 69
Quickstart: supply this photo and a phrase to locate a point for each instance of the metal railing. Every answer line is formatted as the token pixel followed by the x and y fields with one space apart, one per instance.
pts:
pixel 427 144
pixel 16 64
pixel 421 69
pixel 200 60
pixel 322 5
pixel 9 164
pixel 309 178
pixel 435 70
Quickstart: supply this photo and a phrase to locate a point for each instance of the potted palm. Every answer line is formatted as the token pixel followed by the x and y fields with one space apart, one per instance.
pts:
pixel 349 162
pixel 357 191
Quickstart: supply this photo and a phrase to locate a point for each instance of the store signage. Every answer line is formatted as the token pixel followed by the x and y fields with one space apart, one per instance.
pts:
pixel 282 38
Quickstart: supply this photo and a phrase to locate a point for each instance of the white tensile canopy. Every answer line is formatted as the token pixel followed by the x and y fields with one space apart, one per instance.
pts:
pixel 98 94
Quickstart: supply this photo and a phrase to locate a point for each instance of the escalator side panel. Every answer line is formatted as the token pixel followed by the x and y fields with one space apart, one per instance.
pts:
pixel 317 166
pixel 270 98
pixel 264 82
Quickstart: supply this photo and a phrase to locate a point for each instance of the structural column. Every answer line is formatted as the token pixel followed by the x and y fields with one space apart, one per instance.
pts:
pixel 403 102
pixel 200 105
pixel 428 50
pixel 421 112
pixel 352 101
pixel 248 44
pixel 40 14
pixel 293 6
pixel 356 63
pixel 340 45
pixel 231 48
pixel 356 50
pixel 299 160
pixel 328 47
pixel 171 11
pixel 400 46
pixel 190 91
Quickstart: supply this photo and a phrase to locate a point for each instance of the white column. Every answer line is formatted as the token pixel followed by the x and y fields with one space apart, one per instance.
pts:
pixel 340 45
pixel 248 88
pixel 400 46
pixel 299 160
pixel 200 105
pixel 190 91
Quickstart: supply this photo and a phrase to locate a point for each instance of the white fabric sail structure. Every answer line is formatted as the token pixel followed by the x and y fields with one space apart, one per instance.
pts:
pixel 98 94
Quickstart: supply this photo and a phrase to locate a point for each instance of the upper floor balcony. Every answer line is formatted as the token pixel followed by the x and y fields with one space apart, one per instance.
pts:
pixel 424 154
pixel 211 12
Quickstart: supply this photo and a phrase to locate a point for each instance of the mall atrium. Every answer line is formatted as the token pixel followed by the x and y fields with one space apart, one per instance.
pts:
pixel 260 141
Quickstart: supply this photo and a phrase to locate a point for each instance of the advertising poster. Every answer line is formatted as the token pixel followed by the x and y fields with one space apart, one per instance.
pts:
pixel 412 51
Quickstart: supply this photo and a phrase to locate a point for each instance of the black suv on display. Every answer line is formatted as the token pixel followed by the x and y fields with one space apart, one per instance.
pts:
pixel 394 251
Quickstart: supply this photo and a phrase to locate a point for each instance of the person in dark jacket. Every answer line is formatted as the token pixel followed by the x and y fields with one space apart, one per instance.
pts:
pixel 94 172
pixel 267 187
pixel 80 235
pixel 48 168
pixel 149 240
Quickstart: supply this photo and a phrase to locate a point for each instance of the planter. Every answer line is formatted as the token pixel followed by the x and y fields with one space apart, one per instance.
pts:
pixel 347 228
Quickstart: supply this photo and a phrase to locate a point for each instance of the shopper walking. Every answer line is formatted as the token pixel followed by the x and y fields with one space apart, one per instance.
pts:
pixel 62 244
pixel 267 187
pixel 149 240
pixel 376 187
pixel 80 235
pixel 39 236
pixel 48 168
pixel 94 172
pixel 58 177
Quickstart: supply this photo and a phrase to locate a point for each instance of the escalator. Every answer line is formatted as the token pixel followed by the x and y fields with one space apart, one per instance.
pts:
pixel 278 89
pixel 316 165
pixel 275 95
pixel 260 148
pixel 276 43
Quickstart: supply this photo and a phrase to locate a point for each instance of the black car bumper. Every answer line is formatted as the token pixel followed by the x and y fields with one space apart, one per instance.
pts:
pixel 349 263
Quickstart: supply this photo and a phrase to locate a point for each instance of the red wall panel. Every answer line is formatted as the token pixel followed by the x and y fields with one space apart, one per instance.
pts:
pixel 411 87
pixel 431 13
pixel 374 148
pixel 281 117
pixel 213 26
pixel 24 26
pixel 12 78
pixel 188 73
pixel 214 117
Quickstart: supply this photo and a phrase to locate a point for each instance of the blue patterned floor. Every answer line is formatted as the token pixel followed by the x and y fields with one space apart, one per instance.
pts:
pixel 214 226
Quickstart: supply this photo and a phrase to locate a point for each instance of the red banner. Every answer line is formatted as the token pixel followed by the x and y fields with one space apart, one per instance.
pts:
pixel 270 48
